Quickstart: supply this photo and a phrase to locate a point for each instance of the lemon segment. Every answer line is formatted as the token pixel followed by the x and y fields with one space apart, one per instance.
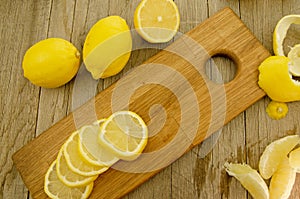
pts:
pixel 107 47
pixel 249 178
pixel 157 21
pixel 125 134
pixel 282 181
pixel 275 153
pixel 51 63
pixel 294 159
pixel 91 150
pixel 276 81
pixel 281 31
pixel 55 189
pixel 74 160
pixel 294 64
pixel 67 176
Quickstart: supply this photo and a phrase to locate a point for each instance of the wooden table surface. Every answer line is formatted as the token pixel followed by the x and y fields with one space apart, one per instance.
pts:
pixel 28 110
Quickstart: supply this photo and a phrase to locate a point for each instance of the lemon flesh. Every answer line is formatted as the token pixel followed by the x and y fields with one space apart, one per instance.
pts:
pixel 276 81
pixel 107 47
pixel 249 178
pixel 157 21
pixel 294 159
pixel 77 163
pixel 55 189
pixel 91 150
pixel 51 63
pixel 282 181
pixel 125 134
pixel 275 153
pixel 294 56
pixel 67 176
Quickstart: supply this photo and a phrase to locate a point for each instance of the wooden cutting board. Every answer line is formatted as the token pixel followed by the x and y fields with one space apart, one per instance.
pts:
pixel 172 93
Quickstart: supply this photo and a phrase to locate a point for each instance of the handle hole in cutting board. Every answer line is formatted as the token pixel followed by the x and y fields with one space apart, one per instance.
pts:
pixel 220 69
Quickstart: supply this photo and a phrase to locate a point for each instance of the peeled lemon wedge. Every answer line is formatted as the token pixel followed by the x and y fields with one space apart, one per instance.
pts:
pixel 249 178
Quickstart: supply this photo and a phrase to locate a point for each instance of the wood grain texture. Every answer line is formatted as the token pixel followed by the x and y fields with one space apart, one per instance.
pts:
pixel 224 33
pixel 195 175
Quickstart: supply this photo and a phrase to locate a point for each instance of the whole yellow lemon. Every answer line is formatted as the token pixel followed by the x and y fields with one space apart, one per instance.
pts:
pixel 107 47
pixel 51 63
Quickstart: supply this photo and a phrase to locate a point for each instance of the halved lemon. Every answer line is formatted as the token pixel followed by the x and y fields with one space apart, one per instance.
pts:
pixel 281 31
pixel 125 134
pixel 282 181
pixel 75 162
pixel 275 153
pixel 67 176
pixel 249 178
pixel 54 188
pixel 157 21
pixel 91 150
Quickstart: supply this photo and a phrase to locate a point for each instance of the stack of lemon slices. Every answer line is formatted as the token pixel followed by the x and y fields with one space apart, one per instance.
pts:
pixel 91 150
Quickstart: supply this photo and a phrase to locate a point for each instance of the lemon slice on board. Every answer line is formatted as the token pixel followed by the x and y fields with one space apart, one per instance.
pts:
pixel 125 134
pixel 249 178
pixel 157 21
pixel 282 181
pixel 55 189
pixel 275 153
pixel 67 176
pixel 281 31
pixel 74 160
pixel 91 150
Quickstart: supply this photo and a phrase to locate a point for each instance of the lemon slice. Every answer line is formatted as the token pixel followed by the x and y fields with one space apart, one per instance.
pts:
pixel 157 21
pixel 125 134
pixel 67 176
pixel 294 159
pixel 274 154
pixel 75 162
pixel 91 150
pixel 282 181
pixel 281 31
pixel 294 64
pixel 54 188
pixel 249 178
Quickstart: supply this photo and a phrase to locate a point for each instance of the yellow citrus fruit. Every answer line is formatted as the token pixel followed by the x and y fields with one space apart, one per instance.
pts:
pixel 67 176
pixel 275 153
pixel 91 150
pixel 157 21
pixel 107 47
pixel 75 162
pixel 276 81
pixel 125 134
pixel 281 31
pixel 51 63
pixel 294 64
pixel 294 159
pixel 282 181
pixel 277 110
pixel 249 178
pixel 55 189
